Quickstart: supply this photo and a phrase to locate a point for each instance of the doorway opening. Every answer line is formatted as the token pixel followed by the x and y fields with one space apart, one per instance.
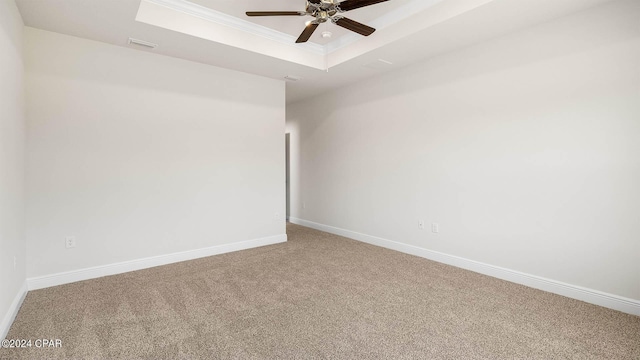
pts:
pixel 286 159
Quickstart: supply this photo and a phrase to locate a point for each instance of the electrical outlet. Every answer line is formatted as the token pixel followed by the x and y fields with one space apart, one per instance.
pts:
pixel 304 205
pixel 435 228
pixel 70 242
pixel 421 224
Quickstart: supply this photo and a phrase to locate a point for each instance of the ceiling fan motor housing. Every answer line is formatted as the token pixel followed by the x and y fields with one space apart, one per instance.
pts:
pixel 323 11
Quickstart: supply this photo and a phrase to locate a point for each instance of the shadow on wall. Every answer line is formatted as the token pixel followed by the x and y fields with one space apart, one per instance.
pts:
pixel 562 39
pixel 9 26
pixel 92 64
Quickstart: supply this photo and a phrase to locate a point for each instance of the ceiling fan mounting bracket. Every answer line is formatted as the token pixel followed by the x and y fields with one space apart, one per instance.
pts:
pixel 335 18
pixel 322 11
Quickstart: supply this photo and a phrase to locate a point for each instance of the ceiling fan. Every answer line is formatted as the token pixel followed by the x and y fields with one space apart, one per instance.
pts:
pixel 324 10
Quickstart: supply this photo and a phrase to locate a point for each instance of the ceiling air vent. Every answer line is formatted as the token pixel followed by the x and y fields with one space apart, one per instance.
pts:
pixel 292 78
pixel 143 43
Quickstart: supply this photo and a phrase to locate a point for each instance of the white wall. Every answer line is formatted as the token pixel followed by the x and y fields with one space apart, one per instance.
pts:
pixel 139 155
pixel 12 143
pixel 525 149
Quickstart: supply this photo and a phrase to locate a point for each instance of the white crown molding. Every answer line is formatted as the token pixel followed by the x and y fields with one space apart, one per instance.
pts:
pixel 388 19
pixel 239 24
pixel 12 312
pixel 615 302
pixel 46 281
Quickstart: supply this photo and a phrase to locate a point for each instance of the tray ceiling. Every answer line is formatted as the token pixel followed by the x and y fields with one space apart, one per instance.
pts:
pixel 408 31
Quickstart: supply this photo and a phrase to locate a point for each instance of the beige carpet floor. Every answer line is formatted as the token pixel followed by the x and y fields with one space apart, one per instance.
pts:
pixel 318 296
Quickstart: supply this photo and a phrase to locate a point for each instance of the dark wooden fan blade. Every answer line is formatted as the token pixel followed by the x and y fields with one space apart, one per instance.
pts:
pixel 306 34
pixel 355 26
pixel 276 13
pixel 356 4
pixel 315 1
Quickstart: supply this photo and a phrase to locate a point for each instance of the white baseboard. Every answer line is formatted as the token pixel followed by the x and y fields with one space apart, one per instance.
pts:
pixel 41 282
pixel 13 311
pixel 626 305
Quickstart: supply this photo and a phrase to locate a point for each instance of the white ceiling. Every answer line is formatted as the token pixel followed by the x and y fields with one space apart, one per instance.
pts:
pixel 408 32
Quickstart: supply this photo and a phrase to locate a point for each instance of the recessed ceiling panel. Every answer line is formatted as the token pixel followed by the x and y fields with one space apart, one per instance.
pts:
pixel 294 25
pixel 245 33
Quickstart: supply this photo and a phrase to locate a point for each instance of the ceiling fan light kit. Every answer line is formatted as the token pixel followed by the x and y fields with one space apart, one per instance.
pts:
pixel 323 11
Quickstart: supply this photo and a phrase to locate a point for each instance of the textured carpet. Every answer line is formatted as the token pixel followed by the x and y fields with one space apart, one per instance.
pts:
pixel 317 296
